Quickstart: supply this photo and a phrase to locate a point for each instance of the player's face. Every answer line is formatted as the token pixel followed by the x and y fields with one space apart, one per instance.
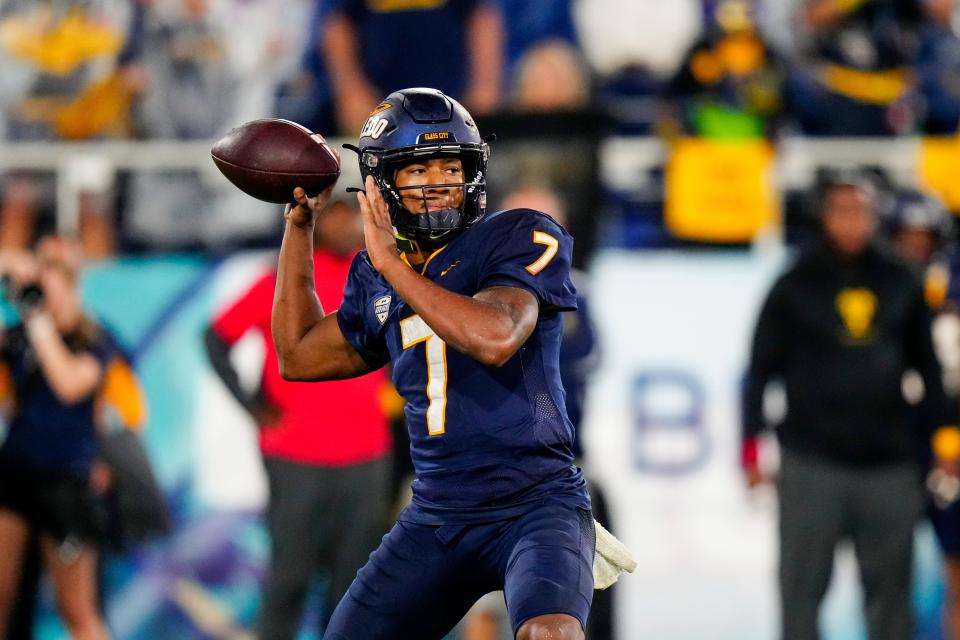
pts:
pixel 848 219
pixel 436 172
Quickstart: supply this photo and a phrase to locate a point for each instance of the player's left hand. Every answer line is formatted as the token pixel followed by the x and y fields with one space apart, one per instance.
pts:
pixel 377 228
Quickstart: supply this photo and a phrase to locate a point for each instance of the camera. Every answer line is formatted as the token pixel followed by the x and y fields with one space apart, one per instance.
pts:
pixel 25 296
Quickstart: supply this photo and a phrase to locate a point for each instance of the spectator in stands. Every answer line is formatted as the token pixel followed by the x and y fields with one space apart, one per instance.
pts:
pixel 263 51
pixel 369 48
pixel 59 67
pixel 189 93
pixel 59 80
pixel 550 76
pixel 532 22
pixel 54 364
pixel 856 77
pixel 730 83
pixel 938 69
pixel 840 329
pixel 257 50
pixel 325 447
pixel 189 80
pixel 305 95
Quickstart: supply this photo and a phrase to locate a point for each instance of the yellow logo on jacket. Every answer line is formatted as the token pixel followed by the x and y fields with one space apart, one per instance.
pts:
pixel 857 307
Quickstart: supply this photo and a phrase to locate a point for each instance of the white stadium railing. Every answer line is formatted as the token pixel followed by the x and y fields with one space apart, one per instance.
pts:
pixel 622 161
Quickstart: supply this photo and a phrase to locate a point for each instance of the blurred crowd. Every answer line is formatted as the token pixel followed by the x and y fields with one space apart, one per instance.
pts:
pixel 189 70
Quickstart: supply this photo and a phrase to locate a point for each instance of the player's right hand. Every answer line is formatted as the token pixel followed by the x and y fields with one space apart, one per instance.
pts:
pixel 304 212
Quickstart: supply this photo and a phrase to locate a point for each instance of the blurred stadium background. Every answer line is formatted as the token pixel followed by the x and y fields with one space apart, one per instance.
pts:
pixel 684 137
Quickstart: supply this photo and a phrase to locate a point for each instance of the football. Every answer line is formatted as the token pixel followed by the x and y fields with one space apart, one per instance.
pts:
pixel 268 158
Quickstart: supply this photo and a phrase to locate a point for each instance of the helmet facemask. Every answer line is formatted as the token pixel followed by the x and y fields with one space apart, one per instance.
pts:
pixel 430 229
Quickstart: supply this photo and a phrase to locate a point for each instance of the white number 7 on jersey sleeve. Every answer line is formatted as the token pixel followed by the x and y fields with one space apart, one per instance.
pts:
pixel 414 330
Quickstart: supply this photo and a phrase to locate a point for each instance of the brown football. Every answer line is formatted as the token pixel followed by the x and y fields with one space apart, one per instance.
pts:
pixel 268 158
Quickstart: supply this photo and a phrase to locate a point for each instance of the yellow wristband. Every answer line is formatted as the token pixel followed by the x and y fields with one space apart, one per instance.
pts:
pixel 946 443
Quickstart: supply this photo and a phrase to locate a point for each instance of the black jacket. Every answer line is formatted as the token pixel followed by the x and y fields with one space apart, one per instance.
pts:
pixel 840 334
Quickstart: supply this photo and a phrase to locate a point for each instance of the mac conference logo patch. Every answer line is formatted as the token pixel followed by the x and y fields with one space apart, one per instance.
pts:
pixel 381 306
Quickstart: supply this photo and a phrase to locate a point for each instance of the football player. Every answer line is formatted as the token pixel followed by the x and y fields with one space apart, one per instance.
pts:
pixel 466 306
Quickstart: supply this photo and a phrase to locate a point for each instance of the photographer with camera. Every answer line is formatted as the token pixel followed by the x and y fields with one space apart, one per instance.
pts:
pixel 53 362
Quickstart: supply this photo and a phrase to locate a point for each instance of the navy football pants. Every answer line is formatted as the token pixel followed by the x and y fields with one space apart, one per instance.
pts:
pixel 422 579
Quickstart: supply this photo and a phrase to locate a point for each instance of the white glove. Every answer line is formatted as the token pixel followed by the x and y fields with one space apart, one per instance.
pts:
pixel 611 558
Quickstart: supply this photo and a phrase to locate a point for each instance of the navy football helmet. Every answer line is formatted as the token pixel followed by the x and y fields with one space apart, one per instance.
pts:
pixel 417 124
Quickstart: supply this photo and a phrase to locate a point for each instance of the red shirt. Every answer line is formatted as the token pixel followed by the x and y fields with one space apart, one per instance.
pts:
pixel 327 423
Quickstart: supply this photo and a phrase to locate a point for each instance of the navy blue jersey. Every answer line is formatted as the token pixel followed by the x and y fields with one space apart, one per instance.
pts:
pixel 485 441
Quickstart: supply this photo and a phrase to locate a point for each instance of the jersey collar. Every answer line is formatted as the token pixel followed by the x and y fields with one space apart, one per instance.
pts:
pixel 423 269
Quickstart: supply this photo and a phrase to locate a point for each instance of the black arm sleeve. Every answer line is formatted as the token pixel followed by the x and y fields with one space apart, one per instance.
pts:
pixel 766 360
pixel 219 353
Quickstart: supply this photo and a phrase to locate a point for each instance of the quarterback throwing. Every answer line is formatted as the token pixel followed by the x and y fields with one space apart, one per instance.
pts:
pixel 466 307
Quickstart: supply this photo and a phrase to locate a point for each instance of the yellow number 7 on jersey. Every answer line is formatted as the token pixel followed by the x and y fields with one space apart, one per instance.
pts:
pixel 541 237
pixel 414 330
